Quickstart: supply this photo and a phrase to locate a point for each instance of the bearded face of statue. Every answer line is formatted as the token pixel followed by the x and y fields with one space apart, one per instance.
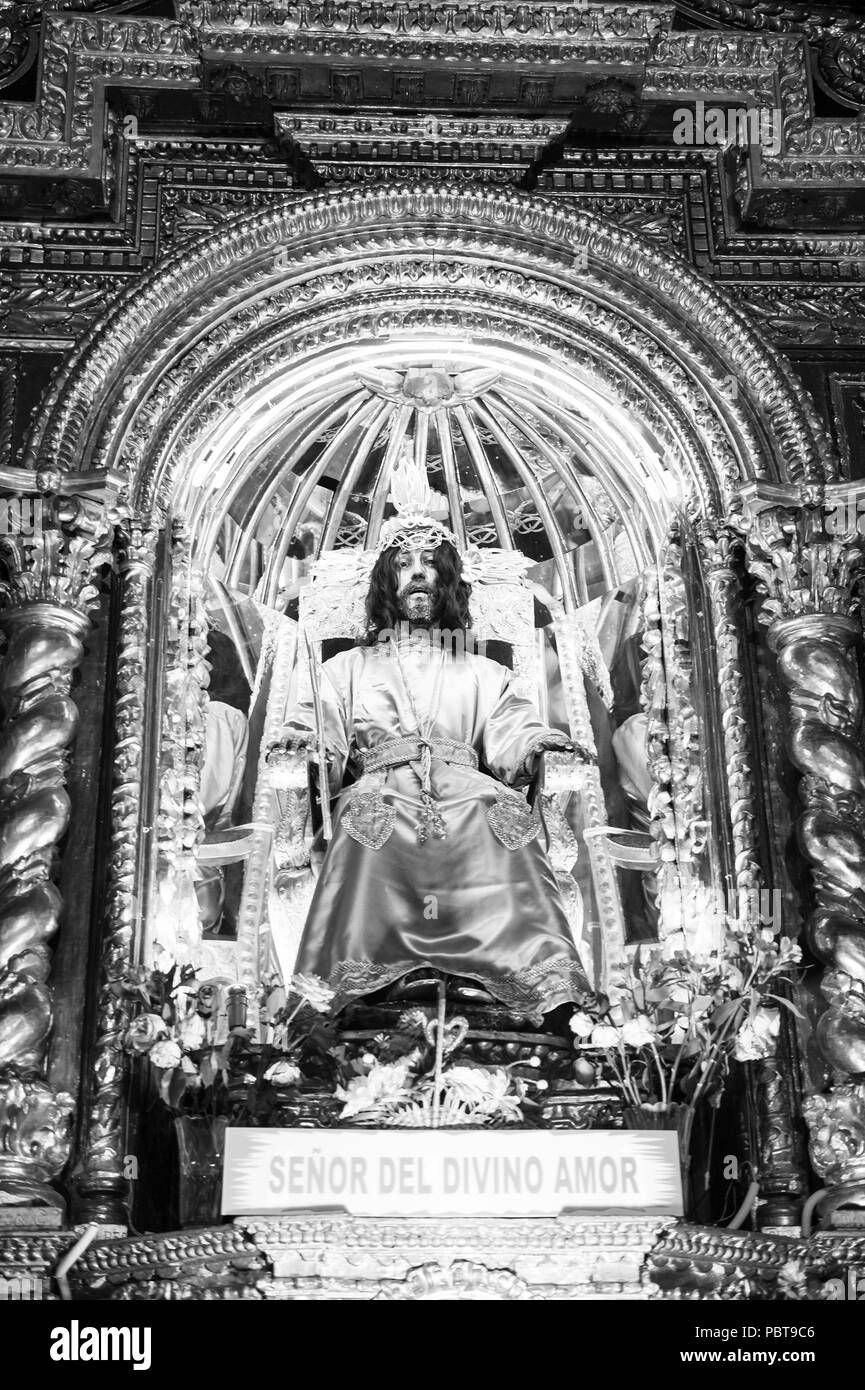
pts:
pixel 417 581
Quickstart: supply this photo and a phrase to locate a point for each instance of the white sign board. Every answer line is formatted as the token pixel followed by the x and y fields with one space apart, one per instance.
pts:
pixel 441 1172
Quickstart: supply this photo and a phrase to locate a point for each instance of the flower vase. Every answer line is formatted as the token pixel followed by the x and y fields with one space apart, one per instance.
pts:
pixel 200 1145
pixel 674 1116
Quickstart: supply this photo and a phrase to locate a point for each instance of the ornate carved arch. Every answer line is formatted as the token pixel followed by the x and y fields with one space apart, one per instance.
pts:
pixel 655 313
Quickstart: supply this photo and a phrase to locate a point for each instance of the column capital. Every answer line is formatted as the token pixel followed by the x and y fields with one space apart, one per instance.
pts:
pixel 805 549
pixel 52 557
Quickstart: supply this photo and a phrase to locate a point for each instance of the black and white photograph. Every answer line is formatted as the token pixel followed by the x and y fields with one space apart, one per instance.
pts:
pixel 432 761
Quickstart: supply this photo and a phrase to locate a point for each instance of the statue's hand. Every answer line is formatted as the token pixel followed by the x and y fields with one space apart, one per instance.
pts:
pixel 562 744
pixel 286 760
pixel 290 743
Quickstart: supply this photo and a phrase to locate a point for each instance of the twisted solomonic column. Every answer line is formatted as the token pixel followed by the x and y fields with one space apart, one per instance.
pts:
pixel 45 593
pixel 809 562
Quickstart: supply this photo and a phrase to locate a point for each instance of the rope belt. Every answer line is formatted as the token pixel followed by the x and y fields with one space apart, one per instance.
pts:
pixel 399 751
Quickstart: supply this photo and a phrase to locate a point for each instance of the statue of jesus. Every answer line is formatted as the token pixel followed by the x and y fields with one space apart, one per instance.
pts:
pixel 437 866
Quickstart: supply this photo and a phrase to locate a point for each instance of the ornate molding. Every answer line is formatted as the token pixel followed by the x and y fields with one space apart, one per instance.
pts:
pixel 180 822
pixel 99 1178
pixel 207 51
pixel 224 268
pixel 328 1257
pixel 838 35
pixel 66 129
pixel 220 372
pixel 720 548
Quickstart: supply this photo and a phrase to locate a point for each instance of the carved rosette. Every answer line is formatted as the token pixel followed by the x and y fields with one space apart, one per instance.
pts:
pixel 101 1187
pixel 46 591
pixel 810 576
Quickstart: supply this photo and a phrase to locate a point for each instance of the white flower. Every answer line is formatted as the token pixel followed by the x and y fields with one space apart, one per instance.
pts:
pixel 756 1037
pixel 638 1032
pixel 487 1092
pixel 314 991
pixel 476 1086
pixel 582 1025
pixel 144 1031
pixel 282 1073
pixel 604 1036
pixel 789 950
pixel 166 1054
pixel 192 1032
pixel 386 1081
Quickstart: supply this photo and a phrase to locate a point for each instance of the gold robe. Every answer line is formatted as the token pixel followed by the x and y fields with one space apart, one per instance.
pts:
pixel 481 901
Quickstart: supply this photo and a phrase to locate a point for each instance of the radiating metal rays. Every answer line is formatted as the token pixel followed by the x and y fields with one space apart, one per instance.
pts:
pixel 486 477
pixel 449 468
pixel 354 472
pixel 378 501
pixel 536 427
pixel 368 411
pixel 564 570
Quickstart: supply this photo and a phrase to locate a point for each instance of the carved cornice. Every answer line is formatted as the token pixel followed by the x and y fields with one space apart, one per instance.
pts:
pixel 837 34
pixel 67 130
pixel 524 25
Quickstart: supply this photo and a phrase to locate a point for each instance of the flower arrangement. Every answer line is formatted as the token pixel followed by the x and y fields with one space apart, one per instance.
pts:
pixel 396 1084
pixel 672 1020
pixel 191 1030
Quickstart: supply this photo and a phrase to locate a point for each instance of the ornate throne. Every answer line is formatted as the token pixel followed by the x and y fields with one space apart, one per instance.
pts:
pixel 278 880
